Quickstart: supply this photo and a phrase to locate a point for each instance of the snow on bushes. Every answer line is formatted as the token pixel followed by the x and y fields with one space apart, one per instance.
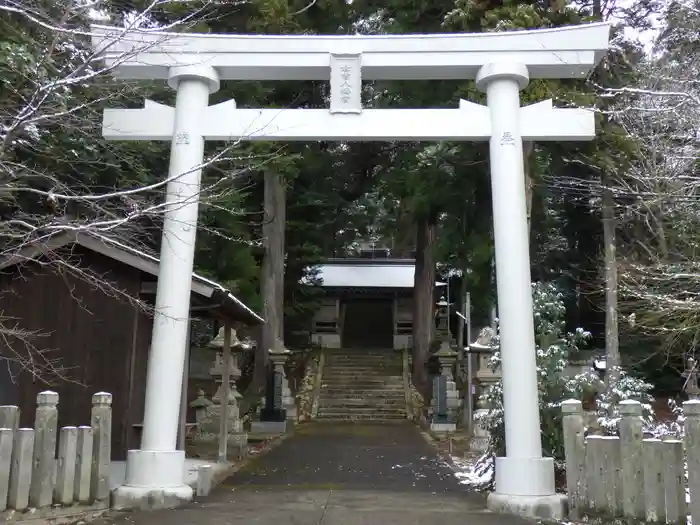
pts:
pixel 554 346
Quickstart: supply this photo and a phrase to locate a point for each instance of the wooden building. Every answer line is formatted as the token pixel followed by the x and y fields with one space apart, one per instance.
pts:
pixel 368 303
pixel 76 316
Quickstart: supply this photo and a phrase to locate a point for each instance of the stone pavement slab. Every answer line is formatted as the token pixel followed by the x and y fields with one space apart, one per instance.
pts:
pixel 331 474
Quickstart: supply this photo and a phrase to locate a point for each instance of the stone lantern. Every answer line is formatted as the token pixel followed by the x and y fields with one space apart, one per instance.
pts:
pixel 484 348
pixel 217 369
pixel 445 400
pixel 201 408
pixel 209 413
pixel 442 313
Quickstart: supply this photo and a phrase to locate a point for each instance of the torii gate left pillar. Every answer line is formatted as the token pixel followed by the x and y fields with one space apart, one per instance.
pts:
pixel 501 63
pixel 158 463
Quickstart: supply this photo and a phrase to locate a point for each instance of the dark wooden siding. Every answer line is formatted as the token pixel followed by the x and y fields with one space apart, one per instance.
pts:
pixel 137 388
pixel 89 327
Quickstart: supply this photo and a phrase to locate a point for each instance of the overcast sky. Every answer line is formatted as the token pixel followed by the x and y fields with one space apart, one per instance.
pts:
pixel 646 37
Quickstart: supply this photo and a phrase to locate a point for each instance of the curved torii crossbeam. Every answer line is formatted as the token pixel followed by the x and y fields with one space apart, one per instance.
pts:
pixel 501 64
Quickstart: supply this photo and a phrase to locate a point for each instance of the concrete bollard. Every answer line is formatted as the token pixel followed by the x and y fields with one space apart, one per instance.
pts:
pixel 632 457
pixel 21 471
pixel 7 436
pixel 674 481
pixel 691 410
pixel 204 480
pixel 101 422
pixel 65 474
pixel 83 465
pixel 574 452
pixel 45 429
pixel 654 492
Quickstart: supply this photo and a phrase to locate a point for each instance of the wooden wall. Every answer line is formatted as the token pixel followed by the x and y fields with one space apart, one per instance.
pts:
pixel 89 327
pixel 137 387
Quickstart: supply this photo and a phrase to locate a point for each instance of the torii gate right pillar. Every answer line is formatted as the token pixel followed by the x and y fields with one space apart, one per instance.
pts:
pixel 524 479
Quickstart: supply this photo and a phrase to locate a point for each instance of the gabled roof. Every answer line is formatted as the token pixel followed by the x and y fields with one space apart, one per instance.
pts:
pixel 368 273
pixel 134 258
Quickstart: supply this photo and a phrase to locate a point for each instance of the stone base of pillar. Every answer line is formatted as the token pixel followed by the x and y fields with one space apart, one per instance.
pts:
pixel 525 486
pixel 155 479
pixel 554 506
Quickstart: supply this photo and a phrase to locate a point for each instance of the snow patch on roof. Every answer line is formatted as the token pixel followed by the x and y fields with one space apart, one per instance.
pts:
pixel 367 275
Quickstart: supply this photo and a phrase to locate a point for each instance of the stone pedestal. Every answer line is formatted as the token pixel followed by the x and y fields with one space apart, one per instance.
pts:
pixel 273 416
pixel 279 395
pixel 268 428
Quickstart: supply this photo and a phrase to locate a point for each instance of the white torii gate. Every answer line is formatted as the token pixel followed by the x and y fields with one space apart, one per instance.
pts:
pixel 501 63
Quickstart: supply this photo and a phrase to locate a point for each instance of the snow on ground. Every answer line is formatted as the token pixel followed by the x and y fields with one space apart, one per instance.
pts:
pixel 474 472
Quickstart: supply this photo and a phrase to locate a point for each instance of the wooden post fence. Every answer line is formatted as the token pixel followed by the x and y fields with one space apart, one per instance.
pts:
pixel 627 476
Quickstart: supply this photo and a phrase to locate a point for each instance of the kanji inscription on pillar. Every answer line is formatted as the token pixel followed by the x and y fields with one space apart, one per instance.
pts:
pixel 507 139
pixel 182 137
pixel 346 83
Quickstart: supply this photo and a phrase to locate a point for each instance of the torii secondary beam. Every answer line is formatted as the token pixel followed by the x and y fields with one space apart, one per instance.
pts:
pixel 471 122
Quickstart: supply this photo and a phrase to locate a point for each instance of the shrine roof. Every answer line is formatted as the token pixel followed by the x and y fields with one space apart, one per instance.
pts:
pixel 368 273
pixel 219 297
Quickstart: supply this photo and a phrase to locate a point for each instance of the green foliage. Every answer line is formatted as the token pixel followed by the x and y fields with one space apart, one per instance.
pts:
pixel 554 346
pixel 336 193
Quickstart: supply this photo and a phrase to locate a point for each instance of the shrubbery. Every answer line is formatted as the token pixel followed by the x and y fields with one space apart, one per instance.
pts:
pixel 554 346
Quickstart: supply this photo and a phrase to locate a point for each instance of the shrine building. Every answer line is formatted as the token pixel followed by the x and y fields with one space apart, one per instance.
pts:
pixel 368 303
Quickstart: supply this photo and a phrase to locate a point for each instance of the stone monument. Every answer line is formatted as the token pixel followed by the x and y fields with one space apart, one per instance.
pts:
pixel 273 416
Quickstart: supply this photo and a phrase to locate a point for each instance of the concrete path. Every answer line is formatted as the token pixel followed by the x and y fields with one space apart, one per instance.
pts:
pixel 339 474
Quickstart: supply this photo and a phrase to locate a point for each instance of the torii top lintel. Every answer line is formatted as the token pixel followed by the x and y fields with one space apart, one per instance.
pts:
pixel 568 52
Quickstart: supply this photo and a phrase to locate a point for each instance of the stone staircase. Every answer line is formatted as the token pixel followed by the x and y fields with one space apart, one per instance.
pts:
pixel 362 385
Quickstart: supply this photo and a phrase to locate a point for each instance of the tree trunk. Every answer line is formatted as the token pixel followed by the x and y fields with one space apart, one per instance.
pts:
pixel 278 255
pixel 272 278
pixel 423 300
pixel 528 149
pixel 612 345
